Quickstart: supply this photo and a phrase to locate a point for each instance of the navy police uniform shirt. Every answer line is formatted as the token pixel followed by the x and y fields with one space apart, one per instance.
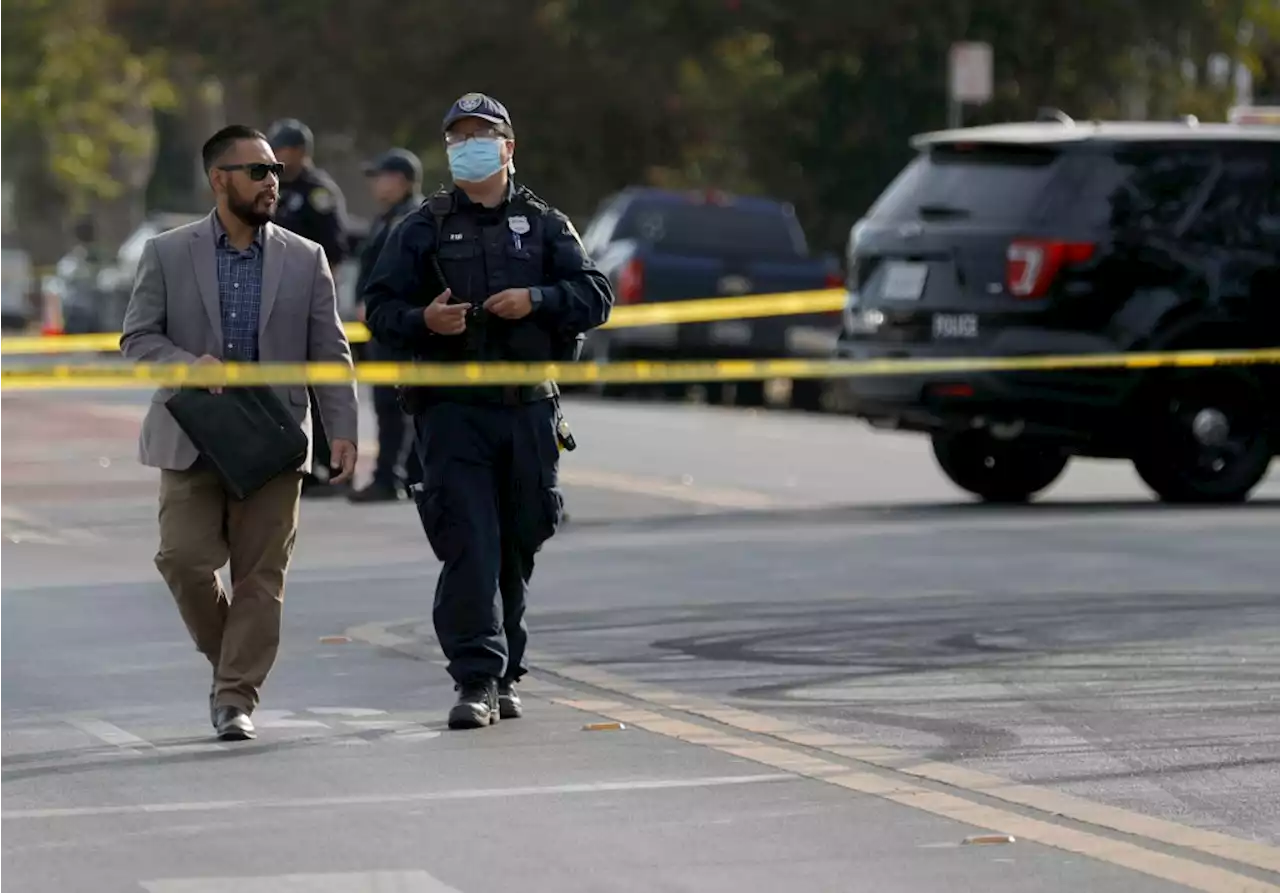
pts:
pixel 382 227
pixel 312 206
pixel 572 295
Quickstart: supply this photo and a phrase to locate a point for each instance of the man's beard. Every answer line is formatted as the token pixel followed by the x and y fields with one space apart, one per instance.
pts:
pixel 249 211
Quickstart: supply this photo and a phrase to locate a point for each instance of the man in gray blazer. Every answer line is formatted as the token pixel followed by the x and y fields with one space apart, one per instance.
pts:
pixel 235 287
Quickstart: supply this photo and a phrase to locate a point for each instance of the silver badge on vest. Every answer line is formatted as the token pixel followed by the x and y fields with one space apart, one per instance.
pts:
pixel 519 225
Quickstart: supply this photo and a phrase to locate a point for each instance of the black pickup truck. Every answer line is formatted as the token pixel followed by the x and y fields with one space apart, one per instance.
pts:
pixel 667 245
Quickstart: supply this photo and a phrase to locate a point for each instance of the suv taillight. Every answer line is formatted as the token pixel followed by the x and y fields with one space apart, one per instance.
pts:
pixel 631 282
pixel 1032 264
pixel 835 281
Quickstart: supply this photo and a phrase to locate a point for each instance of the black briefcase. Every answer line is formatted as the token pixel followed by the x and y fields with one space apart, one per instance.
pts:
pixel 245 433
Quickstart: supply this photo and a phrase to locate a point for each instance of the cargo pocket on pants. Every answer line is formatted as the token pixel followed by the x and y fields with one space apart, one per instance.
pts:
pixel 546 516
pixel 440 526
pixel 546 509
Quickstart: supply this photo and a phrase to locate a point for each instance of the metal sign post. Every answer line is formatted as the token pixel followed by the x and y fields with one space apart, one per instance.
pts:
pixel 969 78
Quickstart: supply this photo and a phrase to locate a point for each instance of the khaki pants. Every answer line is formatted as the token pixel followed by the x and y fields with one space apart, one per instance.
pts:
pixel 201 527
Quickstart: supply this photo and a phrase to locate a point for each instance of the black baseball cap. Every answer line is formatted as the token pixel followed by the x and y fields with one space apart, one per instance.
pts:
pixel 290 133
pixel 398 161
pixel 477 105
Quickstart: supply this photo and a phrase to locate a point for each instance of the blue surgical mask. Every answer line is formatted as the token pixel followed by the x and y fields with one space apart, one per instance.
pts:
pixel 475 159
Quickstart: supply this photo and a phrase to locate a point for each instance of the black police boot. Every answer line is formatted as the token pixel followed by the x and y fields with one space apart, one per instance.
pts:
pixel 509 706
pixel 476 707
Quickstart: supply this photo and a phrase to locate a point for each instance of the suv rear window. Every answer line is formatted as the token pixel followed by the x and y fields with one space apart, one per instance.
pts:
pixel 976 183
pixel 713 229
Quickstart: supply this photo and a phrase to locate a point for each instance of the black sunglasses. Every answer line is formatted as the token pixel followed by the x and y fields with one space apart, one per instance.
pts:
pixel 257 171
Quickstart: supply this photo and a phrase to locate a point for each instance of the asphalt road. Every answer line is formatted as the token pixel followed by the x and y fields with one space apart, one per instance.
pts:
pixel 794 618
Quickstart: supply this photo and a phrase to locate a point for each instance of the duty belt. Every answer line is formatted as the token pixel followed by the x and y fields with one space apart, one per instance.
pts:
pixel 483 395
pixel 516 395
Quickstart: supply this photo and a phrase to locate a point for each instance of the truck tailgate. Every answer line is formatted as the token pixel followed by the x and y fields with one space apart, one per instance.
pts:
pixel 675 277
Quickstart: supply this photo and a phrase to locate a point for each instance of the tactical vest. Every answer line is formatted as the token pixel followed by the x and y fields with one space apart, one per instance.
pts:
pixel 477 261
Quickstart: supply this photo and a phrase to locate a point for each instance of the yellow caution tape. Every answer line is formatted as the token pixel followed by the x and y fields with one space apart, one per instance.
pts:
pixel 623 317
pixel 39 344
pixel 716 309
pixel 119 375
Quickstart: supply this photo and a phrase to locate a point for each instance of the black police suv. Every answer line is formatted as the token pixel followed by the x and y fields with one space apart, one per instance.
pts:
pixel 1059 238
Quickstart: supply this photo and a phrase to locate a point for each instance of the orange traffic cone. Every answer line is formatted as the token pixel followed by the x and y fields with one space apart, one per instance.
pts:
pixel 51 322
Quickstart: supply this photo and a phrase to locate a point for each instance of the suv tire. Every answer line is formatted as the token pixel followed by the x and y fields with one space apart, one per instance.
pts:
pixel 809 394
pixel 1205 437
pixel 1005 471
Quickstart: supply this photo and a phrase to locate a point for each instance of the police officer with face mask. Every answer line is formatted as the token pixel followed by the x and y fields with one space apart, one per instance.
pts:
pixel 486 271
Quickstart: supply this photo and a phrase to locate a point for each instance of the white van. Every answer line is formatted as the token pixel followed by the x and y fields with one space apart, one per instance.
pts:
pixel 17 273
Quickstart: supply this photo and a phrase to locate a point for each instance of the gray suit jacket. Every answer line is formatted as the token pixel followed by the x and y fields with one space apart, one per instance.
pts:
pixel 174 316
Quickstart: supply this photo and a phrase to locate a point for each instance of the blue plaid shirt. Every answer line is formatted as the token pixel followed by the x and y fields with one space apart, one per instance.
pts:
pixel 239 294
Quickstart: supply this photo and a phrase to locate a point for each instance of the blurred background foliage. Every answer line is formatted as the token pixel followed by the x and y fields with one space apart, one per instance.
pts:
pixel 106 102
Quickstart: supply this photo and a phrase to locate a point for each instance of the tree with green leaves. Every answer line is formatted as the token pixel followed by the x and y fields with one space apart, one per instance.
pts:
pixel 809 100
pixel 76 94
pixel 79 134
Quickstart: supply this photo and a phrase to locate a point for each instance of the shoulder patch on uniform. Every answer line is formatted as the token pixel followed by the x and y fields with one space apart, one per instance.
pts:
pixel 527 195
pixel 570 229
pixel 321 199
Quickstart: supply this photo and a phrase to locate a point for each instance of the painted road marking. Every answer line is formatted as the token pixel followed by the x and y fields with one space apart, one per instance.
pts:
pixel 124 748
pixel 352 882
pixel 1211 843
pixel 603 787
pixel 900 767
pixel 191 747
pixel 111 734
pixel 126 744
pixel 1195 875
pixel 378 724
pixel 380 635
pixel 414 735
pixel 281 719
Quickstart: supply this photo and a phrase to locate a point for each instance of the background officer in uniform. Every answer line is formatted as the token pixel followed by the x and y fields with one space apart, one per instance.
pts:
pixel 486 271
pixel 312 206
pixel 394 179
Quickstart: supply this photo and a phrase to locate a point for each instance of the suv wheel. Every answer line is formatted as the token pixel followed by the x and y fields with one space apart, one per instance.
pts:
pixel 809 394
pixel 1205 438
pixel 998 470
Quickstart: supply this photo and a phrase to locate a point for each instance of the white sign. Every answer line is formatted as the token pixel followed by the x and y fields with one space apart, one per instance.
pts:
pixel 904 282
pixel 955 325
pixel 971 72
